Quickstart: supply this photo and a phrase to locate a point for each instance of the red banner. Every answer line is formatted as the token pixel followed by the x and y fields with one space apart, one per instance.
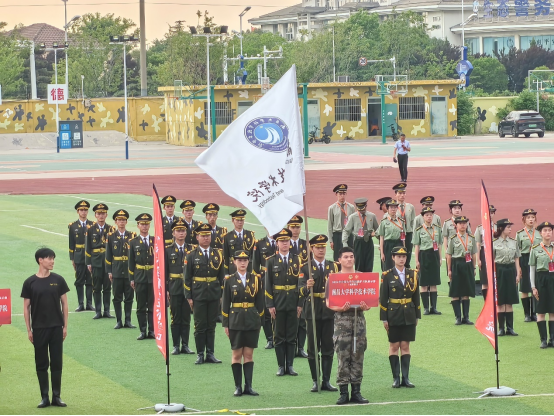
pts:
pixel 353 288
pixel 5 307
pixel 486 323
pixel 160 321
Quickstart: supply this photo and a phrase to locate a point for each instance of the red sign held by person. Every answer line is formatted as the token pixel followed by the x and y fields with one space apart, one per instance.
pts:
pixel 353 288
pixel 5 307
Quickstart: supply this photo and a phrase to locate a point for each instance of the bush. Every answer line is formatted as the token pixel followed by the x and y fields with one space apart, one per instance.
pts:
pixel 466 114
pixel 527 100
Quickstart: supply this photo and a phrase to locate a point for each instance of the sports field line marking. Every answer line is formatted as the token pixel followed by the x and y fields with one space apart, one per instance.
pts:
pixel 46 231
pixel 460 399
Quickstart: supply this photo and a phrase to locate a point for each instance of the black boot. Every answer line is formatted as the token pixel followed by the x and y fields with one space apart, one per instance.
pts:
pixel 80 298
pixel 484 293
pixel 117 310
pixel 533 306
pixel 465 307
pixel 97 305
pixel 210 343
pixel 141 318
pixel 248 369
pixel 343 398
pixel 425 301
pixel 237 375
pixel 106 297
pixel 150 318
pixel 510 324
pixel 185 333
pixel 268 332
pixel 313 371
pixel 405 363
pixel 433 308
pixel 280 353
pixel 551 330
pixel 542 333
pixel 356 396
pixel 291 348
pixel 128 308
pixel 501 319
pixel 175 336
pixel 56 378
pixel 395 368
pixel 44 386
pixel 88 293
pixel 457 311
pixel 326 367
pixel 526 303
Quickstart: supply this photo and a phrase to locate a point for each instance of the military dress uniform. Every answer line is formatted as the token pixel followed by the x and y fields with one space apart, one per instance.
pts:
pixel 117 264
pixel 218 233
pixel 480 239
pixel 324 317
pixel 400 307
pixel 189 205
pixel 361 226
pixel 235 241
pixel 281 293
pixel 83 278
pixel 141 272
pixel 167 222
pixel 204 275
pixel 337 216
pixel 527 238
pixel 393 233
pixel 427 201
pixel 406 212
pixel 95 249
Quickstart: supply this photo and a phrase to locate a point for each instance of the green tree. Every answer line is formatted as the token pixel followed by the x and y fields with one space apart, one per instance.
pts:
pixel 489 74
pixel 466 114
pixel 12 52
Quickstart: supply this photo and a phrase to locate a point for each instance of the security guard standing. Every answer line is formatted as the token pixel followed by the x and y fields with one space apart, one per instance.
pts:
pixel 238 239
pixel 400 311
pixel 324 317
pixel 179 307
pixel 218 233
pixel 427 202
pixel 77 236
pixel 406 211
pixel 95 249
pixel 391 233
pixel 187 207
pixel 362 226
pixel 283 301
pixel 117 267
pixel 526 238
pixel 141 275
pixel 204 275
pixel 337 216
pixel 264 249
pixel 168 202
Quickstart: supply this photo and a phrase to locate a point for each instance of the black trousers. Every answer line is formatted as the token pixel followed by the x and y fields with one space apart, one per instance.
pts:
pixel 285 327
pixel 403 166
pixel 180 318
pixel 145 306
pixel 364 254
pixel 205 320
pixel 301 333
pixel 337 243
pixel 324 334
pixel 122 291
pixel 48 340
pixel 82 275
pixel 409 246
pixel 268 330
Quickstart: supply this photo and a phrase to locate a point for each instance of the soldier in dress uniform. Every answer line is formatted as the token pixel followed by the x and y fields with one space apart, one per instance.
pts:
pixel 243 311
pixel 168 203
pixel 406 211
pixel 382 202
pixel 204 275
pixel 238 239
pixel 337 216
pixel 283 301
pixel 77 237
pixel 361 225
pixel 95 249
pixel 141 275
pixel 392 233
pixel 188 212
pixel 218 233
pixel 264 249
pixel 400 312
pixel 461 259
pixel 526 238
pixel 324 317
pixel 179 307
pixel 117 267
pixel 427 202
pixel 483 284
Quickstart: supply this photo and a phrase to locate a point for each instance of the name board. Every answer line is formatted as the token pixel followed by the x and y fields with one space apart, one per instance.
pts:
pixel 353 288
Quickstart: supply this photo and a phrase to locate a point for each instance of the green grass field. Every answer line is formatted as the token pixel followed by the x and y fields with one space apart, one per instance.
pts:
pixel 109 372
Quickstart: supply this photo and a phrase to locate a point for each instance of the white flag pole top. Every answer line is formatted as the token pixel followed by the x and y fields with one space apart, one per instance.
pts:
pixel 259 158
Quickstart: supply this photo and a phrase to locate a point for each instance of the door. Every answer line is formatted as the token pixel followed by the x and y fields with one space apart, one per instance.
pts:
pixel 313 116
pixel 374 116
pixel 391 117
pixel 439 120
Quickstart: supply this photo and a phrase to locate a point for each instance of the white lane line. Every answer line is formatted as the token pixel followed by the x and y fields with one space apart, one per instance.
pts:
pixel 46 231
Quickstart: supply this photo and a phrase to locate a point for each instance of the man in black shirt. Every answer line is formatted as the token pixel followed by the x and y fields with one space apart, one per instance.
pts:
pixel 45 310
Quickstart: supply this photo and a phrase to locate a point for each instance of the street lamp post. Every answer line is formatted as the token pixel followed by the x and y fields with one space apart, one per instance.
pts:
pixel 66 26
pixel 464 23
pixel 240 17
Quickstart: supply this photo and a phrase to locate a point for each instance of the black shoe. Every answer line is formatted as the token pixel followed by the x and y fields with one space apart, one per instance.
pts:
pixel 81 308
pixel 534 317
pixel 501 332
pixel 119 325
pixel 107 315
pixel 396 383
pixel 199 359
pixel 356 396
pixel 45 402
pixel 219 319
pixel 97 316
pixel 510 331
pixel 141 336
pixel 550 344
pixel 301 353
pixel 175 351
pixel 434 312
pixel 280 372
pixel 56 401
pixel 269 345
pixel 238 391
pixel 343 398
pixel 291 371
pixel 426 312
pixel 466 321
pixel 458 321
pixel 90 308
pixel 527 319
pixel 210 358
pixel 406 383
pixel 128 324
pixel 249 391
pixel 186 350
pixel 315 387
pixel 544 344
pixel 151 335
pixel 325 385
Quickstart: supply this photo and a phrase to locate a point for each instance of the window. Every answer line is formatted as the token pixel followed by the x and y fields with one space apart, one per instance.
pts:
pixel 243 106
pixel 348 109
pixel 436 18
pixel 223 113
pixel 411 108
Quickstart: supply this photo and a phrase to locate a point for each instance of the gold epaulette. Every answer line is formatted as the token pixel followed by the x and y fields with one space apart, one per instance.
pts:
pixel 227 276
pixel 494 239
pixel 421 226
pixel 471 235
pixel 386 272
pixel 520 231
pixel 453 236
pixel 536 245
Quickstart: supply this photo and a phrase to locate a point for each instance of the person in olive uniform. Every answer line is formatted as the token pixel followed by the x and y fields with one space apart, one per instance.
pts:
pixel 168 202
pixel 541 263
pixel 461 259
pixel 95 259
pixel 382 202
pixel 508 273
pixel 238 239
pixel 264 249
pixel 187 207
pixel 483 285
pixel 427 202
pixel 324 317
pixel 337 215
pixel 361 225
pixel 400 312
pixel 391 234
pixel 427 251
pixel 204 275
pixel 526 238
pixel 406 212
pixel 179 307
pixel 449 226
pixel 243 311
pixel 117 267
pixel 77 237
pixel 141 275
pixel 283 301
pixel 217 233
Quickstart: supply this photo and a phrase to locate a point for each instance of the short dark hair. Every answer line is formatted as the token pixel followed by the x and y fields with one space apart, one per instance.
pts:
pixel 345 250
pixel 402 134
pixel 44 253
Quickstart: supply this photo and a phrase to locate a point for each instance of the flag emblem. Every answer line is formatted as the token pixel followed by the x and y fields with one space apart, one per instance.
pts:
pixel 268 133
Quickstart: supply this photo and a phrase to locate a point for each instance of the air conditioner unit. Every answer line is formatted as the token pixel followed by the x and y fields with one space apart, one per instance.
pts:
pixel 344 78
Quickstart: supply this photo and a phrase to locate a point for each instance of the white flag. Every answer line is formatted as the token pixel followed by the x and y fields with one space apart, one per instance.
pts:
pixel 259 158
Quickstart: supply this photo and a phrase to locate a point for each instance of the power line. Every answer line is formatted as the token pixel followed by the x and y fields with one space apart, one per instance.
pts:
pixel 134 2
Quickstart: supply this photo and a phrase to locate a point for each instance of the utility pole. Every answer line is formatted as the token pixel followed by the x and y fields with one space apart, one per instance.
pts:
pixel 143 82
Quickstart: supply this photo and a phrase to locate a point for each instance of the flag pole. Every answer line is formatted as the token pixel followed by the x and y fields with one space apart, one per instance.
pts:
pixel 316 353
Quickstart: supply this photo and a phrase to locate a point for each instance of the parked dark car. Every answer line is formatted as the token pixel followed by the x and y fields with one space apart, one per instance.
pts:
pixel 522 122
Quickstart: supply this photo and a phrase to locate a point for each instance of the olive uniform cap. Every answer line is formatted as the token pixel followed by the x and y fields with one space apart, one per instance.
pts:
pixel 82 205
pixel 319 240
pixel 427 200
pixel 144 218
pixel 179 224
pixel 241 254
pixel 399 250
pixel 284 234
pixel 169 200
pixel 203 229
pixel 210 208
pixel 361 203
pixel 340 188
pixel 100 208
pixel 529 211
pixel 545 224
pixel 426 210
pixel 455 203
pixel 392 203
pixel 238 214
pixel 187 204
pixel 460 219
pixel 383 200
pixel 296 221
pixel 400 187
pixel 121 214
pixel 504 222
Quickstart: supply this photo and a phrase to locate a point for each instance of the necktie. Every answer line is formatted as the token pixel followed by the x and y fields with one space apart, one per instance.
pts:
pixel 273 245
pixel 239 239
pixel 83 225
pixel 145 241
pixel 285 259
pixel 206 253
pixel 181 250
pixel 321 268
pixel 295 247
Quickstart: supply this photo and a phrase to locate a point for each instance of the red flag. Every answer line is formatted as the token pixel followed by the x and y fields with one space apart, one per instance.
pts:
pixel 486 323
pixel 160 318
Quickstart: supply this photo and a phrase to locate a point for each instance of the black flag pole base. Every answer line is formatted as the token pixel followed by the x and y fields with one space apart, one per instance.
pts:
pixel 498 392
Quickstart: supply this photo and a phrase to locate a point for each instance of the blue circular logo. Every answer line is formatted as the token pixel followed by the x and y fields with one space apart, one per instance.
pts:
pixel 268 133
